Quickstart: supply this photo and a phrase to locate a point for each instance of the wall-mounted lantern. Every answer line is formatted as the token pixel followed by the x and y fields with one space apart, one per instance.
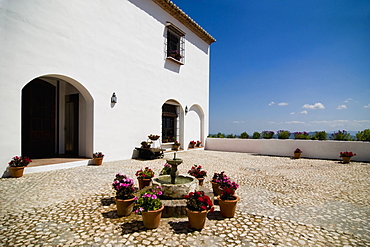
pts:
pixel 186 110
pixel 113 99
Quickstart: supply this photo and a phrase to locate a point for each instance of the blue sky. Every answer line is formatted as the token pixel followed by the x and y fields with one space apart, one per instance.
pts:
pixel 287 65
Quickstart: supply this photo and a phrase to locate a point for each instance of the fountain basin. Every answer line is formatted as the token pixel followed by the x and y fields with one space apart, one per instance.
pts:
pixel 184 185
pixel 175 161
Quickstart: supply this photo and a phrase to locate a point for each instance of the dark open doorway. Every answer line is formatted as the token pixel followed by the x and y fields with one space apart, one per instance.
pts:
pixel 38 119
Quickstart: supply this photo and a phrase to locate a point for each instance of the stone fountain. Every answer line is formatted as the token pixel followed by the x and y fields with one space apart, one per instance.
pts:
pixel 175 186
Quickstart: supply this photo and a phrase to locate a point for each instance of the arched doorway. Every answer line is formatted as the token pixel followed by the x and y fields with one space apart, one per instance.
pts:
pixel 172 122
pixel 195 123
pixel 57 118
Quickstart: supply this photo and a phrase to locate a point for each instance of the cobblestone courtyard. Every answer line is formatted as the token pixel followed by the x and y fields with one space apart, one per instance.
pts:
pixel 284 202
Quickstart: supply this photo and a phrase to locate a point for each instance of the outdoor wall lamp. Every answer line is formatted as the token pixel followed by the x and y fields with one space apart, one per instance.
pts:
pixel 186 110
pixel 113 99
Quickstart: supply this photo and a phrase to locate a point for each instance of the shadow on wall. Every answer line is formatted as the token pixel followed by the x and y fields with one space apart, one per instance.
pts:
pixel 170 65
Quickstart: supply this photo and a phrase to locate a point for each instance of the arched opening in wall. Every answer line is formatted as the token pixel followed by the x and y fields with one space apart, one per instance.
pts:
pixel 57 118
pixel 195 123
pixel 172 122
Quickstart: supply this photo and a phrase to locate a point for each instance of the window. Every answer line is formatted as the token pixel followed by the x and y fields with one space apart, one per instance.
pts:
pixel 175 42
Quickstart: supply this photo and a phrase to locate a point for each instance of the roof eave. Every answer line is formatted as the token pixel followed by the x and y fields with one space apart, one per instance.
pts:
pixel 181 16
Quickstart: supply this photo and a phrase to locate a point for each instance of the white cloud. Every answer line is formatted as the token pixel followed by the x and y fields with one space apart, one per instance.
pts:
pixel 303 112
pixel 292 113
pixel 341 107
pixel 347 100
pixel 314 106
pixel 295 122
pixel 271 103
pixel 367 106
pixel 238 122
pixel 283 104
pixel 344 123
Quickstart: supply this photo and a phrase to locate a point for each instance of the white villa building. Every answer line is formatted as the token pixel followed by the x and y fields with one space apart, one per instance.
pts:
pixel 63 63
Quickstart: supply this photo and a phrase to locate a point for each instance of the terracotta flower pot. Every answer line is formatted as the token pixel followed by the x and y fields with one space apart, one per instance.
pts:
pixel 228 207
pixel 197 219
pixel 125 207
pixel 216 188
pixel 143 182
pixel 346 159
pixel 297 155
pixel 98 161
pixel 16 172
pixel 200 180
pixel 151 219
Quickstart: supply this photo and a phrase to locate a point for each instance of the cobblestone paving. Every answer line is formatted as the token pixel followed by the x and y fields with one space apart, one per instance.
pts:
pixel 284 202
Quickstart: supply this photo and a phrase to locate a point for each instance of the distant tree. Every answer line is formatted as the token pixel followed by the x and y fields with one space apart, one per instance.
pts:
pixel 230 136
pixel 244 135
pixel 363 135
pixel 256 135
pixel 220 135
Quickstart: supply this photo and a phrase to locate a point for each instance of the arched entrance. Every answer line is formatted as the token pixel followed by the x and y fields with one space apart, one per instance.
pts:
pixel 172 122
pixel 195 123
pixel 57 118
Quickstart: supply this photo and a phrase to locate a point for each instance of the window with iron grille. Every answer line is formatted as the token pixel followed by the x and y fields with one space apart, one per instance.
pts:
pixel 175 43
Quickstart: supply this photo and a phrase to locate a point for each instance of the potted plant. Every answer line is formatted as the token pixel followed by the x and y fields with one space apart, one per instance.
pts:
pixel 216 181
pixel 346 156
pixel 196 171
pixel 17 165
pixel 175 54
pixel 166 170
pixel 267 134
pixel 197 207
pixel 153 137
pixel 199 144
pixel 301 135
pixel 283 134
pixel 297 153
pixel 98 158
pixel 150 207
pixel 144 177
pixel 192 144
pixel 227 200
pixel 125 199
pixel 176 146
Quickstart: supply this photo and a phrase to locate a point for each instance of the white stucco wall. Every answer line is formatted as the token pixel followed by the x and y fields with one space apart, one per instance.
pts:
pixel 105 46
pixel 311 149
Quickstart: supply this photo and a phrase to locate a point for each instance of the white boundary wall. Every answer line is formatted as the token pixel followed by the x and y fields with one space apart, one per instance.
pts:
pixel 280 147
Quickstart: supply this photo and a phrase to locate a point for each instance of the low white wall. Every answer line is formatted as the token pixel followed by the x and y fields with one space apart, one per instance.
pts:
pixel 310 149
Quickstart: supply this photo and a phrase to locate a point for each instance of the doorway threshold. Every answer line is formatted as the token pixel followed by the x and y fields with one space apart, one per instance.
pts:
pixel 50 164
